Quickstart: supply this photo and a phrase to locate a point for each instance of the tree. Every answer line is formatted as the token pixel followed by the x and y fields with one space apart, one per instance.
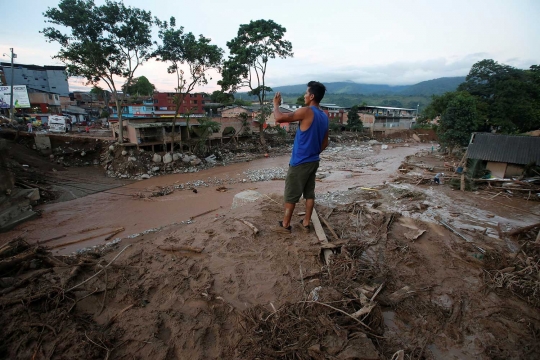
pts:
pixel 353 120
pixel 140 86
pixel 458 121
pixel 301 101
pixel 198 55
pixel 255 44
pixel 507 98
pixel 101 43
pixel 221 97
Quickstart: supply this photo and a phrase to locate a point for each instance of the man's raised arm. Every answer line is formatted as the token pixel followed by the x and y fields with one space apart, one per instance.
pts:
pixel 298 115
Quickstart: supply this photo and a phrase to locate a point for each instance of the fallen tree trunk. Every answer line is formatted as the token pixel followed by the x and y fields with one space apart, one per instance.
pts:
pixel 523 229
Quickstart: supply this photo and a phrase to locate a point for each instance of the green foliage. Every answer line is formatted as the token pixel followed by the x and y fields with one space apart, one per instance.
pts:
pixel 392 103
pixel 335 126
pixel 100 43
pixel 255 44
pixel 459 120
pixel 263 114
pixel 140 86
pixel 353 120
pixel 508 98
pixel 301 101
pixel 104 114
pixel 241 102
pixel 197 54
pixel 221 97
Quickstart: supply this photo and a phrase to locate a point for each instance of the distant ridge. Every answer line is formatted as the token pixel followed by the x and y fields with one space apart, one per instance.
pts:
pixel 426 88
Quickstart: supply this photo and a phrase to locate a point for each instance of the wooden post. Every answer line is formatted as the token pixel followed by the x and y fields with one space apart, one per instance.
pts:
pixel 462 185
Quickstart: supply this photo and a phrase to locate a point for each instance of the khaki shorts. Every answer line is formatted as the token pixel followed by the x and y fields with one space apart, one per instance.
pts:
pixel 300 181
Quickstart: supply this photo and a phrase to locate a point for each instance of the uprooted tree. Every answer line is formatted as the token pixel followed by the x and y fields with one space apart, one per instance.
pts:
pixel 198 56
pixel 255 44
pixel 101 43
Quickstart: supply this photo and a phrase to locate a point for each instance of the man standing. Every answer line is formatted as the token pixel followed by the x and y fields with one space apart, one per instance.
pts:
pixel 29 126
pixel 310 140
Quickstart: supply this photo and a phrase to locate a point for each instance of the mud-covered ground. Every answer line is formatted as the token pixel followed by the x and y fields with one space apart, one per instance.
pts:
pixel 187 283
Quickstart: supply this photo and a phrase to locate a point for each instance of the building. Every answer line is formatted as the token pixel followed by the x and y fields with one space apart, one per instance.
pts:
pixel 335 112
pixel 160 104
pixel 504 155
pixel 385 117
pixel 45 79
pixel 155 133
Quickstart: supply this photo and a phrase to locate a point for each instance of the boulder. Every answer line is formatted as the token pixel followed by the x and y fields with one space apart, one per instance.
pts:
pixel 196 161
pixel 131 158
pixel 111 148
pixel 145 176
pixel 167 158
pixel 124 152
pixel 156 158
pixel 359 348
pixel 155 168
pixel 186 159
pixel 176 157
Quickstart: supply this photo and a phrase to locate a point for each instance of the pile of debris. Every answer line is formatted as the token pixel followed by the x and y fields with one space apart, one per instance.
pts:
pixel 518 274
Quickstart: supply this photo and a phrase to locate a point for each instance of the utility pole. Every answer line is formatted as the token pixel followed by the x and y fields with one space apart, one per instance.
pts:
pixel 11 115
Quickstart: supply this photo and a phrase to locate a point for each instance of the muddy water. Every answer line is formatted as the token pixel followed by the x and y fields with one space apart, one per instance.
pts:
pixel 89 220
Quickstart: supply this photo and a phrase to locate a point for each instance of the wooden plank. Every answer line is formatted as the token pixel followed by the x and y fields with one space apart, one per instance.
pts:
pixel 318 227
pixel 330 228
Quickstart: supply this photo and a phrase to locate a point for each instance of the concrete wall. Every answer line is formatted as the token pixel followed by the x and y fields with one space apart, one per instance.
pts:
pixel 497 169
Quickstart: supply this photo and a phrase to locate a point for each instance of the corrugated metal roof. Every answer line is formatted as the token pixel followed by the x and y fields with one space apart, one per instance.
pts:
pixel 512 149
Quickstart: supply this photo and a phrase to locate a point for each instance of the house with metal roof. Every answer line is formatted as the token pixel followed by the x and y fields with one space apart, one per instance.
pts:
pixel 505 155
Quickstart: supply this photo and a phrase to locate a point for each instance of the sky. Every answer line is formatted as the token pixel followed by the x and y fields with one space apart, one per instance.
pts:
pixel 391 42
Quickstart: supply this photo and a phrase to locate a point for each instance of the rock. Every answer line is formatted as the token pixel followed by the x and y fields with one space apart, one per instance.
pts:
pixel 211 159
pixel 33 194
pixel 192 157
pixel 145 176
pixel 83 153
pixel 111 148
pixel 196 161
pixel 384 147
pixel 124 152
pixel 96 162
pixel 373 142
pixel 186 159
pixel 167 158
pixel 131 158
pixel 176 157
pixel 141 150
pixel 359 348
pixel 156 158
pixel 51 156
pixel 155 168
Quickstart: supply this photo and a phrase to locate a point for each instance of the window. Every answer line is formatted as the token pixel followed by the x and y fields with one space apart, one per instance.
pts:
pixel 50 97
pixel 195 101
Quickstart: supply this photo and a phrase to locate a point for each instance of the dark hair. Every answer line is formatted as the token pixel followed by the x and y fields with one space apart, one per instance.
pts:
pixel 317 89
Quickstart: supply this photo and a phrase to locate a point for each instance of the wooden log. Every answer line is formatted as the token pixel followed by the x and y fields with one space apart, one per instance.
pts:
pixel 255 230
pixel 115 231
pixel 15 260
pixel 25 280
pixel 523 229
pixel 180 248
pixel 330 228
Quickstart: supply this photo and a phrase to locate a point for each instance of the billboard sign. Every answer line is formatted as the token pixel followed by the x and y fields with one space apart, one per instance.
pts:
pixel 20 97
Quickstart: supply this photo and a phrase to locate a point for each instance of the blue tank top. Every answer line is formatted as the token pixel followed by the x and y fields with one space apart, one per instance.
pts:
pixel 307 144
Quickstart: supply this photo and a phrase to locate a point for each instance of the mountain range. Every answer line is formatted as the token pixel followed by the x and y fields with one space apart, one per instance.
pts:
pixel 425 88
